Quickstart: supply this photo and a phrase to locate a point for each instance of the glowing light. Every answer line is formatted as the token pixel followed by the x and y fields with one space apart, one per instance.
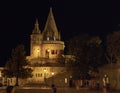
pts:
pixel 53 73
pixel 38 50
pixel 48 50
pixel 48 38
pixel 44 70
pixel 0 74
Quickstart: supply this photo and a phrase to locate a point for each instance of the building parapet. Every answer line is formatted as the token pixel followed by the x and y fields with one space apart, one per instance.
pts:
pixel 53 42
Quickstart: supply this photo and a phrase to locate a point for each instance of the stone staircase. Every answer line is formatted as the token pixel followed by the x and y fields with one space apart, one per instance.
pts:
pixel 59 79
pixel 36 85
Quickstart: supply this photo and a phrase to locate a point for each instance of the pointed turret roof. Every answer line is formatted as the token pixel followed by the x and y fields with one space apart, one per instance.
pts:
pixel 50 26
pixel 36 29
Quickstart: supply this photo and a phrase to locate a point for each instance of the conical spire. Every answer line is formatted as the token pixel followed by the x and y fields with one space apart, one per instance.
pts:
pixel 36 29
pixel 50 29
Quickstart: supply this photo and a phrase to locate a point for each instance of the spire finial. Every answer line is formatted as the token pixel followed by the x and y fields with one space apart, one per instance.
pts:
pixel 36 22
pixel 36 28
pixel 50 9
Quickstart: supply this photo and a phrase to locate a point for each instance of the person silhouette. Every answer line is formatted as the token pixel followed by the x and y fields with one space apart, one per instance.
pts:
pixel 9 89
pixel 54 89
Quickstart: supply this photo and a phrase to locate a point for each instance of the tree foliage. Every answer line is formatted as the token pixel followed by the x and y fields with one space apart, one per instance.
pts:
pixel 113 46
pixel 17 65
pixel 89 55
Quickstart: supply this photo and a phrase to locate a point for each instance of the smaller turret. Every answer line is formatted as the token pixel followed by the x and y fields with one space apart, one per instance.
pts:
pixel 36 29
pixel 36 40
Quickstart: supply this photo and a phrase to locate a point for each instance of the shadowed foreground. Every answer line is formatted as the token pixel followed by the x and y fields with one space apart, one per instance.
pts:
pixel 60 90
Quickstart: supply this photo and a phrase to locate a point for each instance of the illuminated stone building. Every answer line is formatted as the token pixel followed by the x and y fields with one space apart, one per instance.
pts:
pixel 46 44
pixel 46 58
pixel 46 51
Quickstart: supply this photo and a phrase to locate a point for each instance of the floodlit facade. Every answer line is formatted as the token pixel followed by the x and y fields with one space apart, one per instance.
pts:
pixel 47 59
pixel 46 51
pixel 46 44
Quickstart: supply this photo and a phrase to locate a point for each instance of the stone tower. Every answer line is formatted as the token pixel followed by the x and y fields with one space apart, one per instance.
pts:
pixel 35 41
pixel 46 44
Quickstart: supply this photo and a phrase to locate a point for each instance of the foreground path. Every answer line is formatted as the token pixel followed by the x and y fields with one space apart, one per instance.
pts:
pixel 59 90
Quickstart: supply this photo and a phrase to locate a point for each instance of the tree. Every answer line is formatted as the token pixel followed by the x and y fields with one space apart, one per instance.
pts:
pixel 88 54
pixel 113 46
pixel 17 66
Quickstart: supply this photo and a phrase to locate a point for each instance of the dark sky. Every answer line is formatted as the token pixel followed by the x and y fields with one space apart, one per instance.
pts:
pixel 72 17
pixel 115 15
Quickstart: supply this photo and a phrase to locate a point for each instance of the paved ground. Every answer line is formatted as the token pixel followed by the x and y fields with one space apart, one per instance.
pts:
pixel 59 90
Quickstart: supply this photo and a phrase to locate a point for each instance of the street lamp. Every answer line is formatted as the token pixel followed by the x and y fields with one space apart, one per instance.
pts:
pixel 70 81
pixel 52 73
pixel 52 77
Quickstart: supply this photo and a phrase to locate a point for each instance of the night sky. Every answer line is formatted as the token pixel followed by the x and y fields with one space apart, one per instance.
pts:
pixel 72 17
pixel 115 15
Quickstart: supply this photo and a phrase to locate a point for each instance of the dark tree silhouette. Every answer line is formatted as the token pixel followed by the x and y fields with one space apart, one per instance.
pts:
pixel 17 66
pixel 88 55
pixel 113 46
